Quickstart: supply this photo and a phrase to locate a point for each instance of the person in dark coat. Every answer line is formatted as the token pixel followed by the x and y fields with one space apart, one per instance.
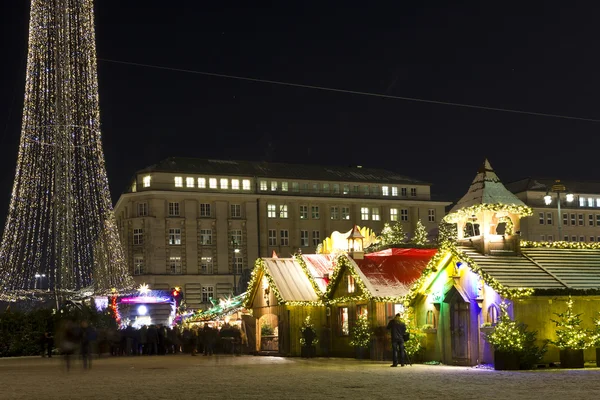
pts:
pixel 210 338
pixel 152 338
pixel 397 329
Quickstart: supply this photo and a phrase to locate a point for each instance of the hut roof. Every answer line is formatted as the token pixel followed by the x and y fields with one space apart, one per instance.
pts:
pixel 320 267
pixel 291 280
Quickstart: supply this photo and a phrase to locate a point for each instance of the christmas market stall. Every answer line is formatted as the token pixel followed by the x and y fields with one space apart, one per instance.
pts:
pixel 478 284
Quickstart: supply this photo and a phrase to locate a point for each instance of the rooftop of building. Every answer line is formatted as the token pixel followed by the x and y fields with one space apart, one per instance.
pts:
pixel 543 185
pixel 271 170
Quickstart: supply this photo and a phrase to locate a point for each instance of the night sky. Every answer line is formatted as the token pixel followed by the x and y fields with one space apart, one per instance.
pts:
pixel 538 57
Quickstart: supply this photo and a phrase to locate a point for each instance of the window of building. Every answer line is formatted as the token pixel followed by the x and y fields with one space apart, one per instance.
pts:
pixel 212 183
pixel 361 309
pixel 404 214
pixel 208 293
pixel 582 238
pixel 146 180
pixel 592 238
pixel 236 237
pixel 343 321
pixel 205 209
pixel 246 184
pixel 364 213
pixel 295 187
pixel 580 219
pixel 189 182
pixel 346 213
pixel 263 185
pixel 224 183
pixel 550 238
pixel 206 265
pixel 597 201
pixel 175 264
pixel 303 212
pixel 284 236
pixel 336 188
pixel 235 184
pixel 271 210
pixel 394 191
pixel 566 238
pixel 375 190
pixel 178 181
pixel 346 189
pixel 430 319
pixel 304 188
pixel 548 218
pixel 334 212
pixel 351 284
pixel 142 209
pixel 573 222
pixel 542 238
pixel 581 201
pixel 573 238
pixel 175 236
pixel 284 186
pixel 565 219
pixel 272 237
pixel 542 219
pixel 590 202
pixel 304 238
pixel 205 237
pixel 314 212
pixel 236 210
pixel 316 238
pixel 138 265
pixel 431 215
pixel 385 190
pixel 273 186
pixel 173 209
pixel 597 219
pixel 413 192
pixel 493 314
pixel 202 183
pixel 283 211
pixel 365 190
pixel 375 214
pixel 393 214
pixel 238 262
pixel 591 219
pixel 403 192
pixel 326 188
pixel 138 236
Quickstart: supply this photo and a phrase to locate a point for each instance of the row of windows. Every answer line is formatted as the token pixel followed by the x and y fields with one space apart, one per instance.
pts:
pixel 574 219
pixel 284 238
pixel 366 213
pixel 336 189
pixel 174 265
pixel 174 237
pixel 174 210
pixel 571 238
pixel 589 201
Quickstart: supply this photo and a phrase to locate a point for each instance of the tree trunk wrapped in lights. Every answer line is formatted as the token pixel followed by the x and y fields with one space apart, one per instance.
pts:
pixel 60 224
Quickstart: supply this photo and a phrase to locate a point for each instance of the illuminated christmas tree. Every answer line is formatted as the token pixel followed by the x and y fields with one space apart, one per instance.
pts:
pixel 569 333
pixel 420 235
pixel 361 332
pixel 392 234
pixel 60 233
pixel 508 335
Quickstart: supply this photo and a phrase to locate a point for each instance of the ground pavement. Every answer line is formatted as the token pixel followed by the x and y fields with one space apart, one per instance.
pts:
pixel 258 377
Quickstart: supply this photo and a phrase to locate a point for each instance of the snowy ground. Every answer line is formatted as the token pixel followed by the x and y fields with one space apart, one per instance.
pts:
pixel 249 377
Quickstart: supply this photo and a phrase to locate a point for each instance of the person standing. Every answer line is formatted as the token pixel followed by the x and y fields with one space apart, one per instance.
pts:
pixel 49 341
pixel 397 329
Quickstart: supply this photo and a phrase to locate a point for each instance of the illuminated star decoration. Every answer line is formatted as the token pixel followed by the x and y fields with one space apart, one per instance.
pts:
pixel 144 289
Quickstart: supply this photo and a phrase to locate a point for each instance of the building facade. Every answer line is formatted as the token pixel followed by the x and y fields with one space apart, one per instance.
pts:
pixel 579 219
pixel 200 224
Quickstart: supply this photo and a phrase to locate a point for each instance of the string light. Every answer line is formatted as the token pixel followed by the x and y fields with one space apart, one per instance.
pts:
pixel 464 213
pixel 60 220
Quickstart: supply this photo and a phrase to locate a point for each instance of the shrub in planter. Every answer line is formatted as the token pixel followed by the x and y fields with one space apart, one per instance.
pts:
pixel 360 336
pixel 308 338
pixel 571 338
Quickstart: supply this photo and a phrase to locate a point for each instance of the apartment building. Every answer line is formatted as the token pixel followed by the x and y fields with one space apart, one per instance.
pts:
pixel 200 224
pixel 579 219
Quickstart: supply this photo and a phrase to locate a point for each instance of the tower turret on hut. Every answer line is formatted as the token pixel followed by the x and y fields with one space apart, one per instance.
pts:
pixel 355 244
pixel 488 217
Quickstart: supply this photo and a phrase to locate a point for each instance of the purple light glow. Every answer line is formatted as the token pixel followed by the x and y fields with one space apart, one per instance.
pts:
pixel 145 299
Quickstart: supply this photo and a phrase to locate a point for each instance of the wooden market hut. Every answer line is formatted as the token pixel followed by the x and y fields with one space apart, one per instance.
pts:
pixel 282 293
pixel 459 294
pixel 373 284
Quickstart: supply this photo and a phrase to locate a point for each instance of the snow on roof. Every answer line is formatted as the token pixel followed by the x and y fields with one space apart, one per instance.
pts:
pixel 486 188
pixel 320 267
pixel 392 272
pixel 290 279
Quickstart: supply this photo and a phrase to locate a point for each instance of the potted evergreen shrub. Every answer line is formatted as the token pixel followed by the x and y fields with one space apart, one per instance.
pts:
pixel 595 338
pixel 308 339
pixel 571 339
pixel 361 336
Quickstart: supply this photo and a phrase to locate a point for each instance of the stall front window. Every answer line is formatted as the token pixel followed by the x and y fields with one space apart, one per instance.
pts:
pixel 344 326
pixel 430 319
pixel 492 314
pixel 361 310
pixel 351 287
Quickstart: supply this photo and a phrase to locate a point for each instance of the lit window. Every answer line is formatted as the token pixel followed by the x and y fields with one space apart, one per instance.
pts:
pixel 590 202
pixel 205 209
pixel 206 265
pixel 492 314
pixel 178 181
pixel 393 214
pixel 175 265
pixel 303 238
pixel 334 213
pixel 316 238
pixel 598 202
pixel 272 237
pixel 271 210
pixel 273 186
pixel 336 188
pixel 138 236
pixel 361 310
pixel 283 211
pixel 346 189
pixel 202 183
pixel 236 210
pixel 404 214
pixel 235 184
pixel 351 286
pixel 314 212
pixel 581 201
pixel 212 183
pixel 364 213
pixel 303 212
pixel 236 237
pixel 175 236
pixel 138 265
pixel 295 187
pixel 375 213
pixel 208 293
pixel 147 180
pixel 246 184
pixel 224 183
pixel 189 182
pixel 205 237
pixel 344 325
pixel 174 209
pixel 394 191
pixel 284 186
pixel 263 185
pixel 346 213
pixel 385 191
pixel 284 235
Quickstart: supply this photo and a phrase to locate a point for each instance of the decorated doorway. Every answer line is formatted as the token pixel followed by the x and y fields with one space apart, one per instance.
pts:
pixel 459 327
pixel 269 333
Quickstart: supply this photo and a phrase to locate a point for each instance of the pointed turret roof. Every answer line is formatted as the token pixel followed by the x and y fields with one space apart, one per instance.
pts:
pixel 355 234
pixel 486 188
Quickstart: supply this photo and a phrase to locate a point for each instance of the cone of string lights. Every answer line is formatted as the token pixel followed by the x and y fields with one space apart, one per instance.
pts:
pixel 60 235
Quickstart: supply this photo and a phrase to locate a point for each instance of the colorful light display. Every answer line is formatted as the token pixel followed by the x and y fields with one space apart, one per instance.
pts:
pixel 60 221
